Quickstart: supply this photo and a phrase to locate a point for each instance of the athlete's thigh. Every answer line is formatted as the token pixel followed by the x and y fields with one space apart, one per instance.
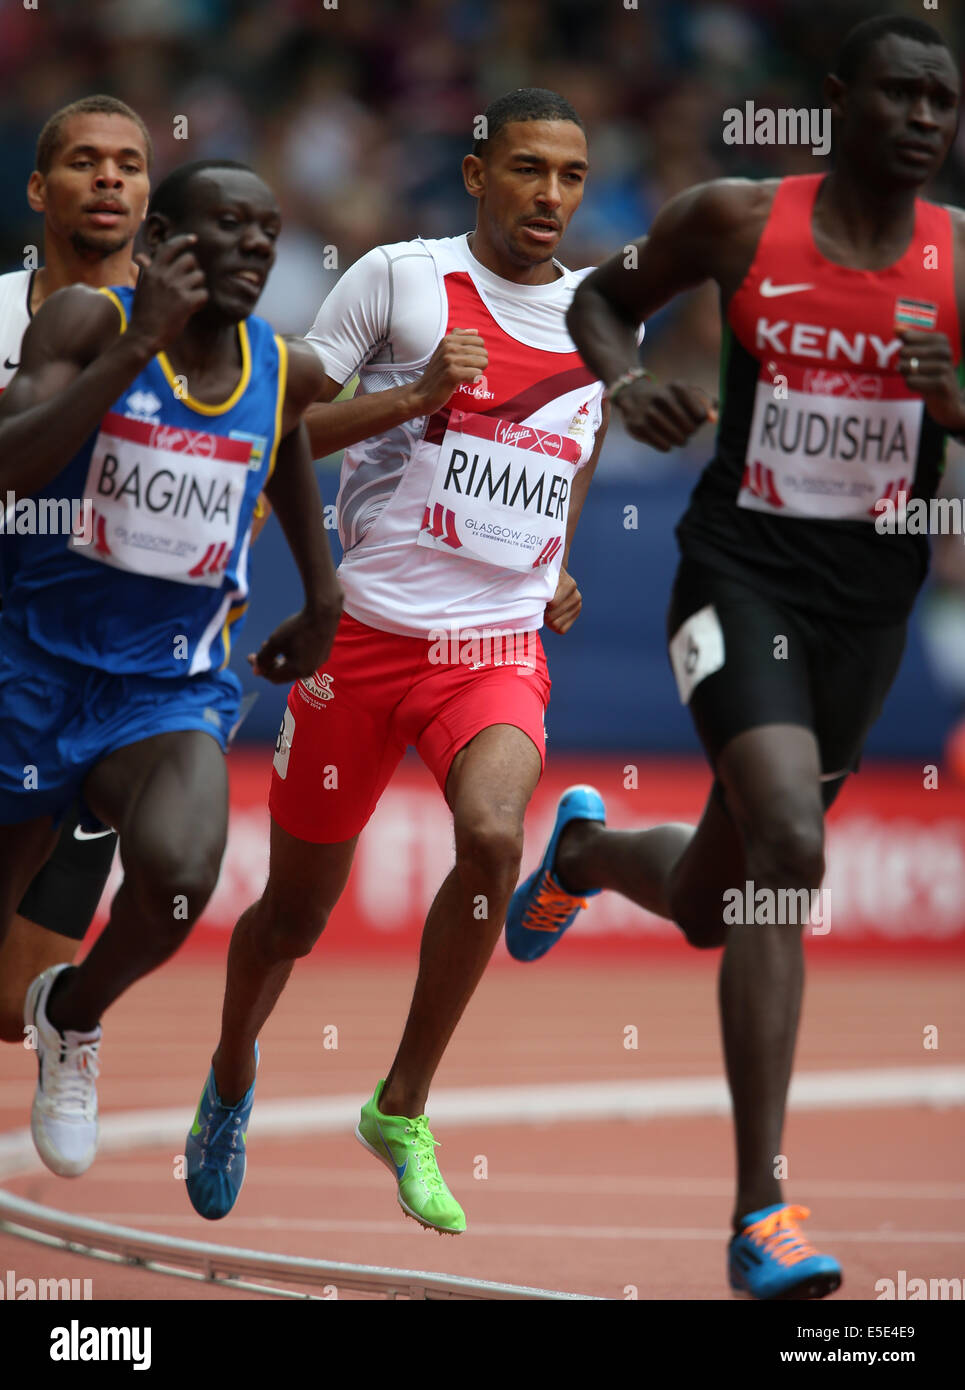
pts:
pixel 771 779
pixel 768 781
pixel 495 775
pixel 305 879
pixel 712 863
pixel 480 728
pixel 740 661
pixel 854 667
pixel 169 791
pixel 336 750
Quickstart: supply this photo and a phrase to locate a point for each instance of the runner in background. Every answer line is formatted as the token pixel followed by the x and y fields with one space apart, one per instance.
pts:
pixel 91 185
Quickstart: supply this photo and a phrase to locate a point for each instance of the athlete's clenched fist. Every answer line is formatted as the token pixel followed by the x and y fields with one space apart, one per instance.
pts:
pixel 664 416
pixel 170 288
pixel 564 607
pixel 298 646
pixel 460 357
pixel 926 363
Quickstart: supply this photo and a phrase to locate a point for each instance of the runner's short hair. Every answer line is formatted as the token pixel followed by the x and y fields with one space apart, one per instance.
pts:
pixel 525 104
pixel 860 40
pixel 170 198
pixel 51 137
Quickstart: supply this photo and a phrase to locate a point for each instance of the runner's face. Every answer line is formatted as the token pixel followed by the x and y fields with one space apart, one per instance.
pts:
pixel 902 110
pixel 534 177
pixel 95 192
pixel 237 222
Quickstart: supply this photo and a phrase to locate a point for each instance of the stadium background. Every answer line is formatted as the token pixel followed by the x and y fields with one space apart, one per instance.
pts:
pixel 358 115
pixel 610 1162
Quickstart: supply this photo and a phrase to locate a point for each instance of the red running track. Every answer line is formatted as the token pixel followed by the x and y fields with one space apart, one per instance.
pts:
pixel 599 1208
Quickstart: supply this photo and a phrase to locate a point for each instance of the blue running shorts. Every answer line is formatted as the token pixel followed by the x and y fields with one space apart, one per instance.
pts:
pixel 58 719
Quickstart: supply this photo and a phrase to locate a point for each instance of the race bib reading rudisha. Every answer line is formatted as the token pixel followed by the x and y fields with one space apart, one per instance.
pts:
pixel 166 501
pixel 830 445
pixel 500 492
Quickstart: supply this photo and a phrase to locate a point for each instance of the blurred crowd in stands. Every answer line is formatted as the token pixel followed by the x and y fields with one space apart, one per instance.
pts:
pixel 358 112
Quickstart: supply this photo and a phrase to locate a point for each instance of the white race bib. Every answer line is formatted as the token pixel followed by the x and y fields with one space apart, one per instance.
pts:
pixel 696 651
pixel 165 501
pixel 500 492
pixel 832 449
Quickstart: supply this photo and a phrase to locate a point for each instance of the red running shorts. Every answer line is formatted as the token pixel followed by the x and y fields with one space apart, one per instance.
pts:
pixel 346 728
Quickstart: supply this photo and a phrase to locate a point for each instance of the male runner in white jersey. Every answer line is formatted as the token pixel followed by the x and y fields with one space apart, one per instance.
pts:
pixel 843 298
pixel 91 185
pixel 482 429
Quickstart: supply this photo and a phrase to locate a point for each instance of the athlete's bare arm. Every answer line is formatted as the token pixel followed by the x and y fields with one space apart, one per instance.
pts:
pixel 709 232
pixel 302 642
pixel 75 362
pixel 582 481
pixel 934 376
pixel 566 604
pixel 461 356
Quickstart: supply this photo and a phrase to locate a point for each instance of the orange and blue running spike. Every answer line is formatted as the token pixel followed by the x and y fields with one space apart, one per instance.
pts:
pixel 769 1258
pixel 541 910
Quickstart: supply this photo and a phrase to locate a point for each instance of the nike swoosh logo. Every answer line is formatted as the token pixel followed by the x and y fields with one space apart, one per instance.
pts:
pixel 80 834
pixel 11 366
pixel 771 291
pixel 196 1127
pixel 399 1172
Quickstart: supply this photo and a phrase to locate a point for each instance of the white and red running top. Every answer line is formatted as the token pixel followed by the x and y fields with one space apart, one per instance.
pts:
pixel 457 519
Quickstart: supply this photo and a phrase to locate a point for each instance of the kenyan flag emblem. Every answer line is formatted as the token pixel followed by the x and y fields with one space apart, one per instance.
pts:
pixel 915 313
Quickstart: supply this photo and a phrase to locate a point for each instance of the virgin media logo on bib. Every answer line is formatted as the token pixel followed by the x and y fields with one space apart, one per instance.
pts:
pixel 167 501
pixel 526 437
pixel 517 436
pixel 185 441
pixel 863 386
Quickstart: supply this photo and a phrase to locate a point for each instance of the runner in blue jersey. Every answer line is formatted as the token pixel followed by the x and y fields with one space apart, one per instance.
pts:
pixel 90 183
pixel 146 421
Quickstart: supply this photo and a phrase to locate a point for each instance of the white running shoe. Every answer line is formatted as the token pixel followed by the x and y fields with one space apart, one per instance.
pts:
pixel 63 1120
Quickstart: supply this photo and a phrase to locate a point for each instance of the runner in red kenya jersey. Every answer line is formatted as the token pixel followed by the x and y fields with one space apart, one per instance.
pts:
pixel 843 298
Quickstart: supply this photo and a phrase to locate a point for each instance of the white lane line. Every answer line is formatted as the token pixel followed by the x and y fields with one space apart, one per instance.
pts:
pixel 603 1185
pixel 549 1104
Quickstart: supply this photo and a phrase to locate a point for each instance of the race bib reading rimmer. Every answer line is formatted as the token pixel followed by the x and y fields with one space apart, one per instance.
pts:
pixel 830 445
pixel 500 492
pixel 165 501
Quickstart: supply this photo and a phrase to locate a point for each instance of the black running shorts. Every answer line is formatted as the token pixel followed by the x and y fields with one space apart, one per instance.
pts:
pixel 63 897
pixel 742 659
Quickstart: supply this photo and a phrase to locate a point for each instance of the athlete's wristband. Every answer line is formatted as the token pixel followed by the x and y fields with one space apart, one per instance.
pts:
pixel 634 374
